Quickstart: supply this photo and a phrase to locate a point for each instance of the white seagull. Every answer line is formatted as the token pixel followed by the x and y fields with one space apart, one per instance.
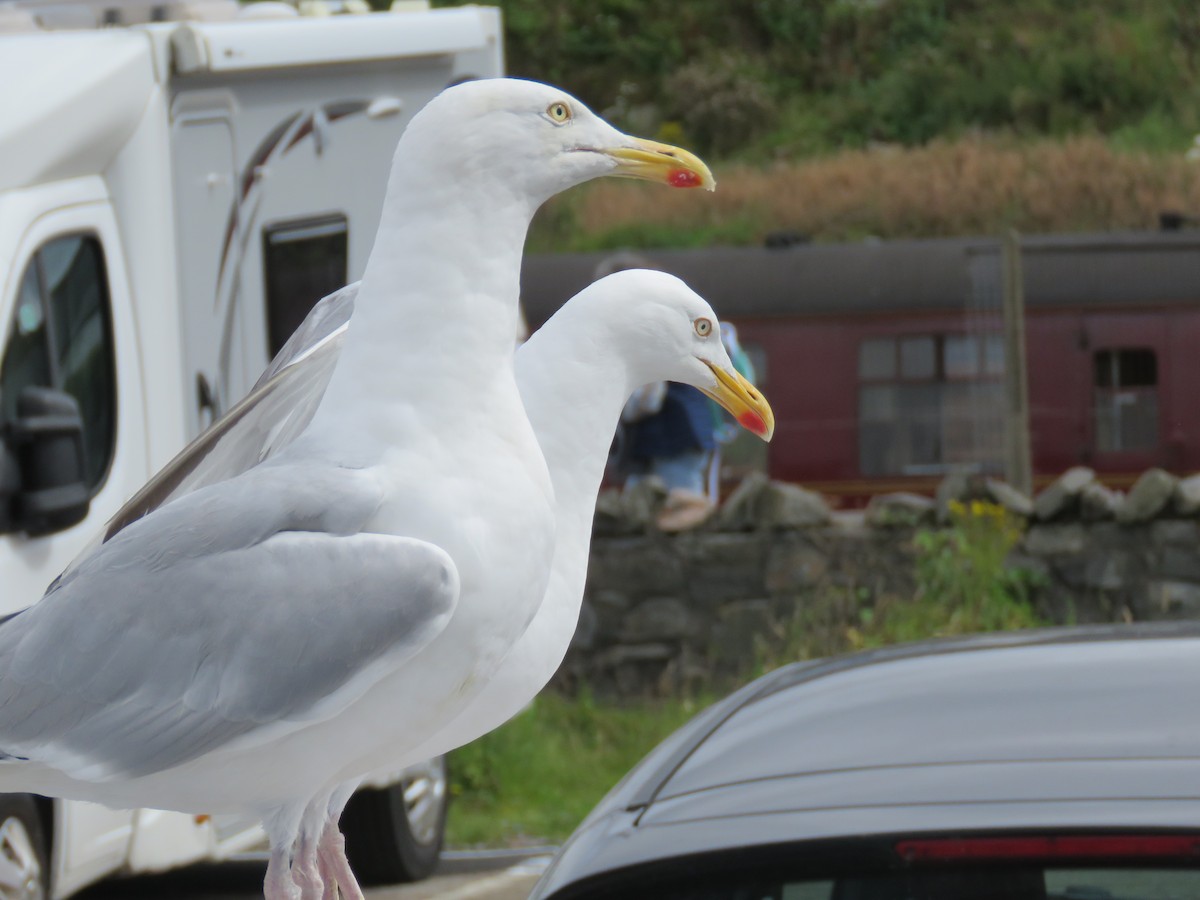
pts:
pixel 574 375
pixel 244 644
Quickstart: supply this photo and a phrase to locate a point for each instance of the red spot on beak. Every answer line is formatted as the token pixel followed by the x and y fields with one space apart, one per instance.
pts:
pixel 752 421
pixel 683 178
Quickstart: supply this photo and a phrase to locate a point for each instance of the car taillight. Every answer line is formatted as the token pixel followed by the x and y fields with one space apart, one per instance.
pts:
pixel 1080 847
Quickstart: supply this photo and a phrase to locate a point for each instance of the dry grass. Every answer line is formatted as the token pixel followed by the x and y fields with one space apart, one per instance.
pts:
pixel 970 186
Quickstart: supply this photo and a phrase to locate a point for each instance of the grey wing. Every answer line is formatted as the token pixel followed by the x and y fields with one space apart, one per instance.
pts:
pixel 269 418
pixel 222 616
pixel 327 318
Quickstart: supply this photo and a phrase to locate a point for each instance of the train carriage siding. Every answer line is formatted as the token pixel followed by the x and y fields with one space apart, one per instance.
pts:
pixel 883 357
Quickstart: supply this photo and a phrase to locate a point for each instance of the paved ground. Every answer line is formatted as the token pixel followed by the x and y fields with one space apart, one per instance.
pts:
pixel 459 878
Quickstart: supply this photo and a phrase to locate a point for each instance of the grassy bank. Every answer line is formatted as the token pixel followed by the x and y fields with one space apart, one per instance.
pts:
pixel 534 779
pixel 973 185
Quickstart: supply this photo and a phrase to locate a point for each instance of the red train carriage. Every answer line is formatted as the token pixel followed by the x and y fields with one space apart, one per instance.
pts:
pixel 884 361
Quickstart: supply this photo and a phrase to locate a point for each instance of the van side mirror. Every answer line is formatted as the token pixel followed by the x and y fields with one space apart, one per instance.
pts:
pixel 43 471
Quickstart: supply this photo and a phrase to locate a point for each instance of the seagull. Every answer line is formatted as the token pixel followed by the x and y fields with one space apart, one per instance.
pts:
pixel 574 375
pixel 245 644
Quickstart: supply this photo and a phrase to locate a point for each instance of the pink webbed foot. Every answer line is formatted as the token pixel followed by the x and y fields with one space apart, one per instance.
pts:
pixel 279 884
pixel 335 868
pixel 306 871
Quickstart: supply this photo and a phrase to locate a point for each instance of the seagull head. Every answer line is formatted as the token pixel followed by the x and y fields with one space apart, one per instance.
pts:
pixel 667 332
pixel 537 140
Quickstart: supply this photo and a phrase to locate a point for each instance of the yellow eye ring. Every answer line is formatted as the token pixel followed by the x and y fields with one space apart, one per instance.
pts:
pixel 703 327
pixel 558 112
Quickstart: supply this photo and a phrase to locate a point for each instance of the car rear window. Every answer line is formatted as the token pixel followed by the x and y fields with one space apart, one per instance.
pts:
pixel 974 883
pixel 985 884
pixel 1096 865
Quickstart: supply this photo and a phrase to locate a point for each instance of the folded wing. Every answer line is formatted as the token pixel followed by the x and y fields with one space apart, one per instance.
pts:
pixel 250 607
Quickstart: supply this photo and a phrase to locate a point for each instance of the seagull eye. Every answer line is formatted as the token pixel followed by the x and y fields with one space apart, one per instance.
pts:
pixel 558 113
pixel 703 327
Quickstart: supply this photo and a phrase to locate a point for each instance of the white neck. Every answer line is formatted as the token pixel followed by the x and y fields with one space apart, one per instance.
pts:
pixel 574 400
pixel 436 312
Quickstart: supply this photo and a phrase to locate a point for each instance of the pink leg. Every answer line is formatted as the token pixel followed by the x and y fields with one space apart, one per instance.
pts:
pixel 306 870
pixel 335 868
pixel 279 884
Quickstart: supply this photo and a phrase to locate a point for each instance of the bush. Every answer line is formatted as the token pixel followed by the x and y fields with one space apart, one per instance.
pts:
pixel 961 571
pixel 902 71
pixel 720 102
pixel 963 584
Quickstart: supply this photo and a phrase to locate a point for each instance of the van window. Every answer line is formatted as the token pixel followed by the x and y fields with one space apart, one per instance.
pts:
pixel 303 262
pixel 61 337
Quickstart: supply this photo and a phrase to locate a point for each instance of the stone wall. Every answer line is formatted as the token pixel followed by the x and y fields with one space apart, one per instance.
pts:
pixel 665 612
pixel 775 571
pixel 1105 556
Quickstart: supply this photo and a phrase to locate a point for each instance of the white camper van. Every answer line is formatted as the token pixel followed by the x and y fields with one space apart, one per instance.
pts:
pixel 179 182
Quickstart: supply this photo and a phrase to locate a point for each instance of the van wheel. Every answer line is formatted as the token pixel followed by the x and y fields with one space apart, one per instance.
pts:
pixel 24 871
pixel 395 834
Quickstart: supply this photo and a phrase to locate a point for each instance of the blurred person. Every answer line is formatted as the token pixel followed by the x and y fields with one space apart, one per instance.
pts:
pixel 676 442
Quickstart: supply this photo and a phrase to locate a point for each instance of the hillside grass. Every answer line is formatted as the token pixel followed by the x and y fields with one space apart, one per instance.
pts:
pixel 971 185
pixel 794 78
pixel 845 119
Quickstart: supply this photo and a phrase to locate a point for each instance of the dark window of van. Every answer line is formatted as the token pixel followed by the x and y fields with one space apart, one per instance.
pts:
pixel 303 262
pixel 61 337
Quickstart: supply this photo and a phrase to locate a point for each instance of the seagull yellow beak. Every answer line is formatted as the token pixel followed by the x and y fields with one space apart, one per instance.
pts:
pixel 652 161
pixel 742 401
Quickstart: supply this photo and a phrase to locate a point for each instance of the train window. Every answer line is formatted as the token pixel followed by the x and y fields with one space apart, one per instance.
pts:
pixel 918 357
pixel 960 356
pixel 971 425
pixel 877 359
pixel 993 354
pixel 1126 396
pixel 1126 368
pixel 877 402
pixel 928 402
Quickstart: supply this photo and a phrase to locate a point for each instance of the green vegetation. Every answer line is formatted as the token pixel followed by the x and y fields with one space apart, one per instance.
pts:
pixel 963 586
pixel 769 78
pixel 845 119
pixel 537 777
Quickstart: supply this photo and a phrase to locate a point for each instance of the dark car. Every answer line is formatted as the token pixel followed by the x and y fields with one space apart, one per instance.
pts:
pixel 1048 765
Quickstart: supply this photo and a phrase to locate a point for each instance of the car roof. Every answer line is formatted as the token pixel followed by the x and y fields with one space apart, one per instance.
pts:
pixel 1081 727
